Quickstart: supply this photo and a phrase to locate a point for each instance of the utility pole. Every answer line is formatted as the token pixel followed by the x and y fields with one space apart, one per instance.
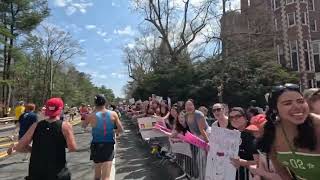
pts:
pixel 51 73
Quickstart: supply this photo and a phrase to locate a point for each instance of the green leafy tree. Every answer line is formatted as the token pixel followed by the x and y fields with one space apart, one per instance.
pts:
pixel 17 17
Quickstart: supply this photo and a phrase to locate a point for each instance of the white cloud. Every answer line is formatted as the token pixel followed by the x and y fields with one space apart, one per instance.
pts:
pixel 130 45
pixel 91 27
pixel 126 31
pixel 101 33
pixel 107 40
pixel 81 64
pixel 114 4
pixel 60 3
pixel 73 28
pixel 117 75
pixel 82 7
pixel 70 10
pixel 102 76
pixel 73 6
pixel 82 40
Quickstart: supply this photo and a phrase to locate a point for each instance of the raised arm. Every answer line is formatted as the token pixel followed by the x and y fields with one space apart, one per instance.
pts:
pixel 24 142
pixel 202 127
pixel 118 123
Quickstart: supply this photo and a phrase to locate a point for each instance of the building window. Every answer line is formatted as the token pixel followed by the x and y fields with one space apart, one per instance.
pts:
pixel 306 55
pixel 277 4
pixel 294 55
pixel 311 5
pixel 304 18
pixel 291 19
pixel 310 83
pixel 313 25
pixel 290 1
pixel 281 59
pixel 316 56
pixel 318 83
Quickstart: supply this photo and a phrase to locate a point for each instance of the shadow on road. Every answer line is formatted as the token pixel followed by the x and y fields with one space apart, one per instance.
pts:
pixel 12 163
pixel 134 161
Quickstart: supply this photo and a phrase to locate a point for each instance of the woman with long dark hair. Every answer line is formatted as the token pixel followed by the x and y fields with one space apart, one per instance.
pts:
pixel 196 121
pixel 291 134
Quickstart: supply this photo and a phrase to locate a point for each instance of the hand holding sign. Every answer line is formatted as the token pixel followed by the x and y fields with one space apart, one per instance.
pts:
pixel 188 137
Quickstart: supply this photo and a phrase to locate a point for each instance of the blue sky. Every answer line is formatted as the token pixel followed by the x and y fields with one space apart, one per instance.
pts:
pixel 103 28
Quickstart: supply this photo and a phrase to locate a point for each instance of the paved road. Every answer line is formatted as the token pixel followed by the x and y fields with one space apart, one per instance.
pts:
pixel 13 168
pixel 6 129
pixel 134 161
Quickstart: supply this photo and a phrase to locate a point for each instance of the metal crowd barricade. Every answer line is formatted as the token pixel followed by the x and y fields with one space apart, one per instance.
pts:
pixel 195 166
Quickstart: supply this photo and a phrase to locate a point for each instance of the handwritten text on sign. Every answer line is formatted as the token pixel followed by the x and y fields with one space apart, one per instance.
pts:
pixel 224 144
pixel 147 122
pixel 146 125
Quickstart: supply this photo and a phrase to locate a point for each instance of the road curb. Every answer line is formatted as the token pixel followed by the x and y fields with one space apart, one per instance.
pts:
pixel 113 168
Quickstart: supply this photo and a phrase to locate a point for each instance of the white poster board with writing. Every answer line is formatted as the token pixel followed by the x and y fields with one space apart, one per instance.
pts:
pixel 146 128
pixel 180 148
pixel 169 103
pixel 131 101
pixel 224 144
pixel 159 98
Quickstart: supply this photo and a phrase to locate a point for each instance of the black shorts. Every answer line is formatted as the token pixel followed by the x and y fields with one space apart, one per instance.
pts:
pixel 102 152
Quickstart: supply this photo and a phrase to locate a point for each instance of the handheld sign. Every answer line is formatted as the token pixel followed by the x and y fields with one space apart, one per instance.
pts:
pixel 146 125
pixel 224 144
pixel 131 101
pixel 188 137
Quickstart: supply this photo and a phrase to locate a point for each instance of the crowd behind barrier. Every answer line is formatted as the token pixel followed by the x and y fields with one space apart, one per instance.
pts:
pixel 192 167
pixel 277 143
pixel 193 163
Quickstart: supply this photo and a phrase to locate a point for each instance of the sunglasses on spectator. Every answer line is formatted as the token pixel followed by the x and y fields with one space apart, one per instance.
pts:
pixel 216 110
pixel 235 117
pixel 288 86
pixel 280 88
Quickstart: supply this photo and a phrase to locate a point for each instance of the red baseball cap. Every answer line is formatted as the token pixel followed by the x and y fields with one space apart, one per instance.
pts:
pixel 257 122
pixel 54 107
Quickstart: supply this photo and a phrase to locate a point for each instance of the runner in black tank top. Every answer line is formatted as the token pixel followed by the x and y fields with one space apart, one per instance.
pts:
pixel 50 138
pixel 48 159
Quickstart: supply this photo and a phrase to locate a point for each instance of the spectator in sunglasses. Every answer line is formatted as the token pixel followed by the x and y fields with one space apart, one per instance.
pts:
pixel 313 98
pixel 291 134
pixel 248 154
pixel 219 114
